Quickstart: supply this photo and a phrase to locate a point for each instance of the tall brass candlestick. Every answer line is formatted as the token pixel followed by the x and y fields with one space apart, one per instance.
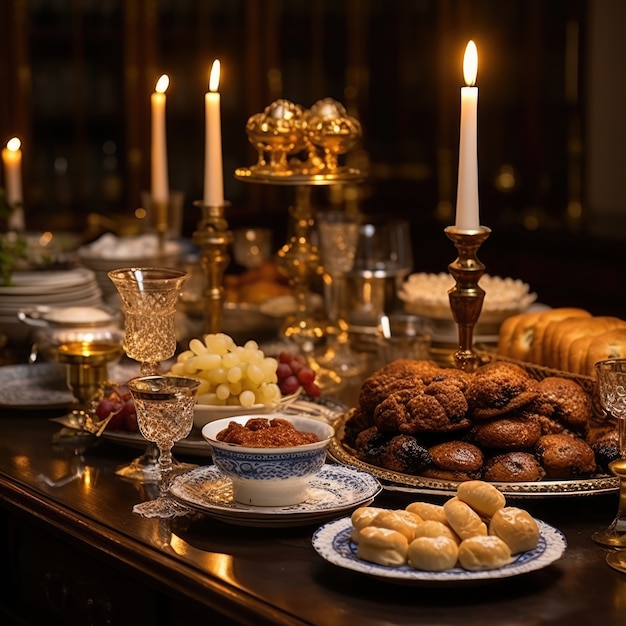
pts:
pixel 160 222
pixel 466 297
pixel 214 237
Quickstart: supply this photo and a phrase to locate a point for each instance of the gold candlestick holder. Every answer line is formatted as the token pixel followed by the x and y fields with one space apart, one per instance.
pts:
pixel 214 238
pixel 466 297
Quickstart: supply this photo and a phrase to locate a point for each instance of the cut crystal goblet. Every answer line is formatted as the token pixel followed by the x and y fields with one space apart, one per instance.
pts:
pixel 611 380
pixel 165 415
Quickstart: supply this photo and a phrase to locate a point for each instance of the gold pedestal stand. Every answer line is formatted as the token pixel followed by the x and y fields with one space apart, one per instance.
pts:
pixel 466 297
pixel 300 147
pixel 300 260
pixel 214 238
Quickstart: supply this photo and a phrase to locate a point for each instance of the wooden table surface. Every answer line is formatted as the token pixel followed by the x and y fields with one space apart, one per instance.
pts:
pixel 73 551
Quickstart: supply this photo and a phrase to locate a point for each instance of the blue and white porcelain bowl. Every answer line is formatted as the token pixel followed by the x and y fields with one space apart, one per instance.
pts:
pixel 270 476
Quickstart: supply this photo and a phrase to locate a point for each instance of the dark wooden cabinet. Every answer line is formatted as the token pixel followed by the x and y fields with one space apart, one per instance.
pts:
pixel 78 78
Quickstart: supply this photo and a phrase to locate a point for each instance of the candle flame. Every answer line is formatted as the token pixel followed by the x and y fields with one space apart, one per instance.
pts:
pixel 214 80
pixel 470 63
pixel 14 144
pixel 162 84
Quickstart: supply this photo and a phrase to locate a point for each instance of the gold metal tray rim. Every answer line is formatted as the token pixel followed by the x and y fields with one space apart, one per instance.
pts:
pixel 396 481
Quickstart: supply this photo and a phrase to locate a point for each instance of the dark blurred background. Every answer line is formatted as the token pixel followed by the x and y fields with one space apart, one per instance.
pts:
pixel 77 75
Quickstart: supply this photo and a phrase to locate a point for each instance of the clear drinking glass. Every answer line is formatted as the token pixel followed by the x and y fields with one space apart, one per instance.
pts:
pixel 338 235
pixel 149 296
pixel 252 246
pixel 383 259
pixel 165 415
pixel 611 380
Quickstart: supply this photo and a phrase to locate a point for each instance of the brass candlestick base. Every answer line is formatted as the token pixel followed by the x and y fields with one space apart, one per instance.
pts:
pixel 466 297
pixel 214 237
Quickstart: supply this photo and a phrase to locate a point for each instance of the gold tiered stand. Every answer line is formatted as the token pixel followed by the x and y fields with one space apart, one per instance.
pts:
pixel 299 148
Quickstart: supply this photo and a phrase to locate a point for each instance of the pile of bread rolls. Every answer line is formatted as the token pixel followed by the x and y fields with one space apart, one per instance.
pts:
pixel 474 530
pixel 567 339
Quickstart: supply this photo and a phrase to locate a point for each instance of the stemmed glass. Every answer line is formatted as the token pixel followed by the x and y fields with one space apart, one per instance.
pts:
pixel 338 234
pixel 611 379
pixel 148 297
pixel 165 415
pixel 383 259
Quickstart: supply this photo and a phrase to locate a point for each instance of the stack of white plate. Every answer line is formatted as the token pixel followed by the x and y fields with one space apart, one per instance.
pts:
pixel 110 253
pixel 55 288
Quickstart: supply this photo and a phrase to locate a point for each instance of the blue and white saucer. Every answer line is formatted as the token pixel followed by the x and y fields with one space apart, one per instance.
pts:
pixel 335 490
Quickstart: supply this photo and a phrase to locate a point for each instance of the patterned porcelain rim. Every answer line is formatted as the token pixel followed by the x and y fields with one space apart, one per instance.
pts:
pixel 334 489
pixel 332 542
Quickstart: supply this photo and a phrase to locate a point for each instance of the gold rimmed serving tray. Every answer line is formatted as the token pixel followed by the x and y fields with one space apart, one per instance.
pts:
pixel 396 481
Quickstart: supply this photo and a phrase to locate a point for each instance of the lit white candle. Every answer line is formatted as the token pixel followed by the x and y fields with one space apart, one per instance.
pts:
pixel 159 175
pixel 467 217
pixel 12 160
pixel 213 177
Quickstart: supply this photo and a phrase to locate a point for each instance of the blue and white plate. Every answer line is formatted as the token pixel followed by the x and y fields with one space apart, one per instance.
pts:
pixel 43 386
pixel 334 491
pixel 332 542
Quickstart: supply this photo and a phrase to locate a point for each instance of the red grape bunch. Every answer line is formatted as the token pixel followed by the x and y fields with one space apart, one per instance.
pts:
pixel 293 372
pixel 118 403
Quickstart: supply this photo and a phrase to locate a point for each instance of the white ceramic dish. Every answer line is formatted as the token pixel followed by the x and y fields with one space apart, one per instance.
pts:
pixel 270 476
pixel 334 491
pixel 42 386
pixel 332 542
pixel 192 445
pixel 205 413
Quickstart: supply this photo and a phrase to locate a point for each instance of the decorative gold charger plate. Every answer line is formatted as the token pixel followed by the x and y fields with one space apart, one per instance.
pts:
pixel 332 542
pixel 396 481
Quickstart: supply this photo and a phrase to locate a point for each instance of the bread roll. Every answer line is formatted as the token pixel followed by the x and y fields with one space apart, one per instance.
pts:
pixel 382 546
pixel 521 329
pixel 433 528
pixel 577 354
pixel 428 511
pixel 483 553
pixel 536 353
pixel 399 520
pixel 565 332
pixel 483 497
pixel 434 554
pixel 516 528
pixel 463 519
pixel 609 345
pixel 363 517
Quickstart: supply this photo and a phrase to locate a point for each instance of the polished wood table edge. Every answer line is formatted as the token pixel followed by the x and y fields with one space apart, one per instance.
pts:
pixel 276 575
pixel 170 574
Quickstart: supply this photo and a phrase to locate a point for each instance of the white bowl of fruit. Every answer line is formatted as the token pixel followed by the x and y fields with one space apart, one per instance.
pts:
pixel 241 380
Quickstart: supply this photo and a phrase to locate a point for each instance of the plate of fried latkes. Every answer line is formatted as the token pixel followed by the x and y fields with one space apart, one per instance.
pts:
pixel 419 427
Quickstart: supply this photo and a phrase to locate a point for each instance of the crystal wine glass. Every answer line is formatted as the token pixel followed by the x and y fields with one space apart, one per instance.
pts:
pixel 148 297
pixel 611 379
pixel 338 234
pixel 165 415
